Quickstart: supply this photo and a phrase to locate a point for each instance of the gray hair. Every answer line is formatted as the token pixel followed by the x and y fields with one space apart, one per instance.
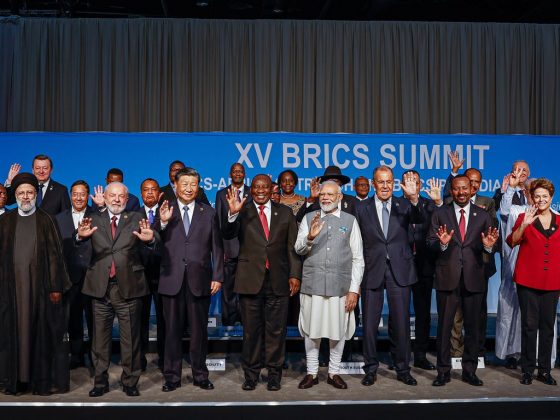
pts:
pixel 117 184
pixel 331 182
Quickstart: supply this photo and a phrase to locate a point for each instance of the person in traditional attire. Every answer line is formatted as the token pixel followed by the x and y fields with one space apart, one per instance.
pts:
pixel 33 278
pixel 333 268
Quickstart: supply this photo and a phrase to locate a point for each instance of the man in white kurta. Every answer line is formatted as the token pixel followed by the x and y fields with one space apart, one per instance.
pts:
pixel 333 268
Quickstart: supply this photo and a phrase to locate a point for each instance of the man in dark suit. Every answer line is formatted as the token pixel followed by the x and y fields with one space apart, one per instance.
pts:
pixel 3 199
pixel 115 175
pixel 268 272
pixel 52 197
pixel 192 259
pixel 117 285
pixel 150 192
pixel 460 275
pixel 384 220
pixel 519 195
pixel 168 190
pixel 361 187
pixel 77 258
pixel 230 300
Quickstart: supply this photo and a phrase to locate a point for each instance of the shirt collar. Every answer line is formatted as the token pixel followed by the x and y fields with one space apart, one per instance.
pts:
pixel 118 216
pixel 154 208
pixel 467 208
pixel 190 206
pixel 335 213
pixel 21 213
pixel 267 205
pixel 379 202
pixel 74 211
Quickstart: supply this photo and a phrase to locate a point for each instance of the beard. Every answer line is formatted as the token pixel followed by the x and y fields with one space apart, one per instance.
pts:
pixel 26 207
pixel 329 208
pixel 116 209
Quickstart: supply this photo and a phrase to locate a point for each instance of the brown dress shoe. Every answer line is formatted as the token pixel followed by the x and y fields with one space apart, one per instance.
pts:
pixel 308 381
pixel 337 382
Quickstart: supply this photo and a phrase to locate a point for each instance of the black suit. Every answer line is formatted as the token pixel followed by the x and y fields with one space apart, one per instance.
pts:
pixel 263 293
pixel 169 195
pixel 230 300
pixel 55 198
pixel 389 264
pixel 460 280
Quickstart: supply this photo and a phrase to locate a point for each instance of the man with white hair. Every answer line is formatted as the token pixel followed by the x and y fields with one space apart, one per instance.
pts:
pixel 117 285
pixel 333 267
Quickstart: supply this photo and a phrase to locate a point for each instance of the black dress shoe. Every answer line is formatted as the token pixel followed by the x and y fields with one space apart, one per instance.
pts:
pixel 273 384
pixel 471 379
pixel 308 381
pixel 407 379
pixel 204 384
pixel 511 363
pixel 442 379
pixel 424 363
pixel 526 379
pixel 546 378
pixel 131 391
pixel 337 382
pixel 143 364
pixel 169 386
pixel 391 366
pixel 42 392
pixel 369 379
pixel 98 391
pixel 249 385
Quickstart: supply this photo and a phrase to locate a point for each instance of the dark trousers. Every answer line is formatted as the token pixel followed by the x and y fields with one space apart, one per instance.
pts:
pixel 128 313
pixel 78 305
pixel 145 322
pixel 422 302
pixel 264 318
pixel 230 300
pixel 538 314
pixel 177 310
pixel 398 298
pixel 447 304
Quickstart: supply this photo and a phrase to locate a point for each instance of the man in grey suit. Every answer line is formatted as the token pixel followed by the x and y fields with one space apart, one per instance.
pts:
pixel 117 284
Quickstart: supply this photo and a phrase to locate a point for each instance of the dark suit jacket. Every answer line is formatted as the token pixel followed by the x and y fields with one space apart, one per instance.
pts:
pixel 200 252
pixel 254 249
pixel 55 198
pixel 125 250
pixel 76 255
pixel 348 204
pixel 417 233
pixel 169 195
pixel 397 245
pixel 460 258
pixel 133 204
pixel 151 256
pixel 231 246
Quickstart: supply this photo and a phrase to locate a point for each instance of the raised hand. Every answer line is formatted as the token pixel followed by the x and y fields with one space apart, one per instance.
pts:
pixel 97 196
pixel 456 162
pixel 505 183
pixel 490 237
pixel 530 216
pixel 234 204
pixel 146 234
pixel 316 226
pixel 435 190
pixel 513 180
pixel 410 188
pixel 314 189
pixel 14 170
pixel 443 235
pixel 165 212
pixel 85 229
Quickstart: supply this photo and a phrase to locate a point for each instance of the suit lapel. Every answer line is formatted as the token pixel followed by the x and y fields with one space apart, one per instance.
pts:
pixel 124 220
pixel 372 214
pixel 197 215
pixel 454 225
pixel 395 207
pixel 254 213
pixel 105 224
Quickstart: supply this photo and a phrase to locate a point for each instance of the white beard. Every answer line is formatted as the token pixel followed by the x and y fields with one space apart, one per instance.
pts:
pixel 329 208
pixel 26 207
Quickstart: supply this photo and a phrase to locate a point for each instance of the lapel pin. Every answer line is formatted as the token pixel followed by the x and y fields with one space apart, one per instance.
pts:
pixel 201 209
pixel 397 204
pixel 276 214
pixel 345 205
pixel 125 216
pixel 474 214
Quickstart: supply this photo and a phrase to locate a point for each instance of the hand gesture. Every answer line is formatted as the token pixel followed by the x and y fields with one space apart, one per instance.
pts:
pixel 505 183
pixel 316 226
pixel 146 234
pixel 85 230
pixel 234 204
pixel 215 287
pixel 530 216
pixel 14 170
pixel 294 285
pixel 314 189
pixel 435 190
pixel 490 237
pixel 165 212
pixel 351 301
pixel 443 235
pixel 513 180
pixel 456 162
pixel 97 196
pixel 410 188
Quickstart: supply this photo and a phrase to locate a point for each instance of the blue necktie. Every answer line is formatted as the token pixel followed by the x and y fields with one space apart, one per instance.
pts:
pixel 151 217
pixel 385 219
pixel 40 195
pixel 186 221
pixel 521 198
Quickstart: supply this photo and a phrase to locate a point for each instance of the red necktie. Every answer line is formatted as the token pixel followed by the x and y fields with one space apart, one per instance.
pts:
pixel 113 271
pixel 462 225
pixel 264 223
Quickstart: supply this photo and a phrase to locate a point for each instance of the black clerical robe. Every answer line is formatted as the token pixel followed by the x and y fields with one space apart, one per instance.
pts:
pixel 47 274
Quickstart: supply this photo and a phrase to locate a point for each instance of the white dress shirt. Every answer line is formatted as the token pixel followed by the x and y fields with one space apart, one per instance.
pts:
pixel 379 208
pixel 77 217
pixel 267 211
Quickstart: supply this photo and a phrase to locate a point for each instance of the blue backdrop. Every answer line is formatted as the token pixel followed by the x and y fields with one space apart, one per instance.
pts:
pixel 88 156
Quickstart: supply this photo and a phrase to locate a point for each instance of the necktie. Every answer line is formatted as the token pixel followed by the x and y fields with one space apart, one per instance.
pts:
pixel 522 201
pixel 113 271
pixel 264 223
pixel 462 225
pixel 385 219
pixel 239 196
pixel 151 216
pixel 40 195
pixel 186 220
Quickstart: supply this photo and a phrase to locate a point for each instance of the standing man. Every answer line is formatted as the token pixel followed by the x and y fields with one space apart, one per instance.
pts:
pixel 152 258
pixel 169 192
pixel 77 257
pixel 192 259
pixel 268 273
pixel 519 195
pixel 384 221
pixel 32 280
pixel 3 199
pixel 115 175
pixel 230 300
pixel 460 234
pixel 117 284
pixel 361 186
pixel 333 267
